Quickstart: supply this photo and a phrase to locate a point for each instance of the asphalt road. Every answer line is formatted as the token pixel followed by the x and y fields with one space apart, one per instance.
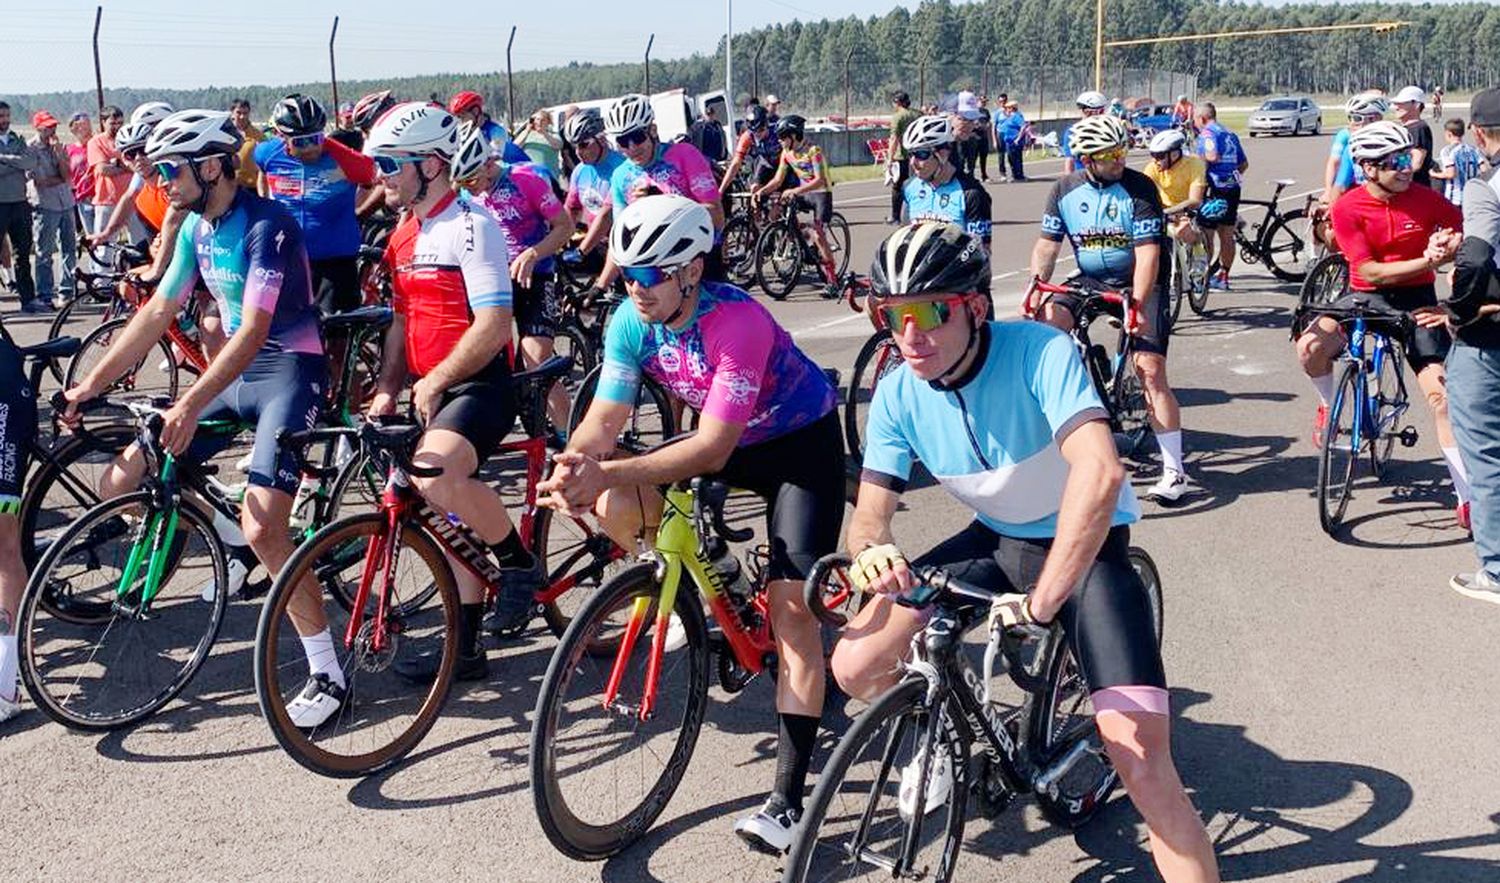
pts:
pixel 1334 718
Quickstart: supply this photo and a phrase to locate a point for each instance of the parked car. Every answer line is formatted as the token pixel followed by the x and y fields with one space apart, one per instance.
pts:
pixel 1287 115
pixel 1154 117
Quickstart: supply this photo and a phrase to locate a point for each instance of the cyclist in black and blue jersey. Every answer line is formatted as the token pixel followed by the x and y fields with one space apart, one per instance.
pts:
pixel 17 431
pixel 1113 217
pixel 1221 150
pixel 1004 416
pixel 938 190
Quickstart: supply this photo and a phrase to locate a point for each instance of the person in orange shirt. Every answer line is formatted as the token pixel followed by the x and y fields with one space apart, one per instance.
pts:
pixel 111 175
pixel 144 201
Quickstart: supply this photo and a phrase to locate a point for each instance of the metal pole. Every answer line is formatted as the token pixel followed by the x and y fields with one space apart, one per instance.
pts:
pixel 98 73
pixel 333 73
pixel 649 41
pixel 922 83
pixel 755 70
pixel 510 85
pixel 848 151
pixel 1041 92
pixel 1099 46
pixel 729 64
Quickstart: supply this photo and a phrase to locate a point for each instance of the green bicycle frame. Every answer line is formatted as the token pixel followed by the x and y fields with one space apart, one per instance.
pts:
pixel 151 542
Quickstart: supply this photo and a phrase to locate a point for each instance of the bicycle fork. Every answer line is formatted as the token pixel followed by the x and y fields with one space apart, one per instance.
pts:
pixel 381 556
pixel 670 576
pixel 151 543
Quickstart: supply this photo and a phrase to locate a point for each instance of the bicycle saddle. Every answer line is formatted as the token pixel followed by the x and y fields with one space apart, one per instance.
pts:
pixel 360 317
pixel 1283 182
pixel 557 366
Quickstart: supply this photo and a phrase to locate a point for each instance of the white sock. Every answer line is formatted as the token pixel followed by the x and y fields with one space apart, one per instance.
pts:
pixel 321 657
pixel 1457 473
pixel 1324 385
pixel 8 663
pixel 1171 451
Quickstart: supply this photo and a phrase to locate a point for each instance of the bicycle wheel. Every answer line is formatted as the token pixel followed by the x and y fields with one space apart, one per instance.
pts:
pixel 601 775
pixel 1197 294
pixel 1339 454
pixel 1387 406
pixel 839 242
pixel 876 360
pixel 1286 246
pixel 116 670
pixel 852 828
pixel 76 318
pixel 1145 568
pixel 571 341
pixel 1325 283
pixel 64 485
pixel 778 260
pixel 738 249
pixel 578 561
pixel 154 375
pixel 652 420
pixel 1127 404
pixel 1177 291
pixel 385 715
pixel 1060 717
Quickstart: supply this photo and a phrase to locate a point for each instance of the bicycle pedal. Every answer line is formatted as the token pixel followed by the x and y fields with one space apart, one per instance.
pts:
pixel 1408 437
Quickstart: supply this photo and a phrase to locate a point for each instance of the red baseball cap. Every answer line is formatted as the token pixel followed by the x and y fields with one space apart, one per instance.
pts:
pixel 43 120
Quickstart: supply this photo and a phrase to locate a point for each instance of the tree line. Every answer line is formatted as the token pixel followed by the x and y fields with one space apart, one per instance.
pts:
pixel 944 46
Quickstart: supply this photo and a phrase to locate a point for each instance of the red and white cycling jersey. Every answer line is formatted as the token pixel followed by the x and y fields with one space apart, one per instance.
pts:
pixel 444 267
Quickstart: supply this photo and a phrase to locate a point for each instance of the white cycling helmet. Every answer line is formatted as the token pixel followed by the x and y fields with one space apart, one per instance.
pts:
pixel 1367 104
pixel 151 113
pixel 473 151
pixel 414 128
pixel 1379 140
pixel 631 113
pixel 583 125
pixel 1167 140
pixel 928 133
pixel 194 133
pixel 663 231
pixel 1092 100
pixel 1096 133
pixel 133 136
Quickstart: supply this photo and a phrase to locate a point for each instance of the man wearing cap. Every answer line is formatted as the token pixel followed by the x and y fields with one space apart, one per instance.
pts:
pixel 773 111
pixel 1010 128
pixel 1473 366
pixel 1409 103
pixel 966 131
pixel 55 228
pixel 16 162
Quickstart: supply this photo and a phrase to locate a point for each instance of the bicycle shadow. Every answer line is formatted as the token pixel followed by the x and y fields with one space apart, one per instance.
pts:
pixel 1227 320
pixel 1203 397
pixel 1226 467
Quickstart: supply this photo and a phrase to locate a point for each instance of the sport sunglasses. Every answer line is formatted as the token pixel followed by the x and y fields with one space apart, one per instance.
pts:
pixel 1397 162
pixel 1113 154
pixel 627 140
pixel 923 154
pixel 388 166
pixel 302 142
pixel 646 277
pixel 169 169
pixel 927 315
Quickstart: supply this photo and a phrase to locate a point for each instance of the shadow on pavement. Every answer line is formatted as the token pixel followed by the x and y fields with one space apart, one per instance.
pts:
pixel 1225 320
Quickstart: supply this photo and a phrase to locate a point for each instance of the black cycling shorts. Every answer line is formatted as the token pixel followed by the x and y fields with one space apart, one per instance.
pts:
pixel 1156 318
pixel 1230 195
pixel 335 283
pixel 1107 619
pixel 1424 346
pixel 278 391
pixel 800 475
pixel 538 306
pixel 17 425
pixel 820 203
pixel 482 409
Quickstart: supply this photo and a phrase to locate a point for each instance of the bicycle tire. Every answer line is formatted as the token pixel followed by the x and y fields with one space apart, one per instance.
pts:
pixel 738 249
pixel 362 670
pixel 1333 499
pixel 651 421
pixel 42 510
pixel 87 308
pixel 1390 403
pixel 839 242
pixel 881 350
pixel 586 559
pixel 1284 250
pixel 1128 408
pixel 902 703
pixel 1145 568
pixel 1326 282
pixel 85 531
pixel 1073 807
pixel 573 836
pixel 97 343
pixel 1197 295
pixel 1177 291
pixel 778 260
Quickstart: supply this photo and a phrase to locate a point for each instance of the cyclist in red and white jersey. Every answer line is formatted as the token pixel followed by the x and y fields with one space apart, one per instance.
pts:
pixel 452 297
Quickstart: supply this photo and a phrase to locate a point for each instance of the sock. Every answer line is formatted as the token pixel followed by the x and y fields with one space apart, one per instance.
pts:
pixel 1171 451
pixel 1457 472
pixel 1323 383
pixel 829 273
pixel 321 657
pixel 470 615
pixel 794 747
pixel 8 663
pixel 512 553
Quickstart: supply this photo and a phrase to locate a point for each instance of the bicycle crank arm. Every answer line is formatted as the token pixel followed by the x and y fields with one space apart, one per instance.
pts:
pixel 1045 781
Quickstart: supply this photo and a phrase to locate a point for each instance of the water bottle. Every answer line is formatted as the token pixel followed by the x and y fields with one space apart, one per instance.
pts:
pixel 731 575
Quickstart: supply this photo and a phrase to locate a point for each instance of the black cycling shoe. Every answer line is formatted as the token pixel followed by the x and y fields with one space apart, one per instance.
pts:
pixel 515 605
pixel 422 667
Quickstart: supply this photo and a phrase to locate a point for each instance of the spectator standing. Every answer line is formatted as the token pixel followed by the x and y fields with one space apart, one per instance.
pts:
pixel 708 135
pixel 966 130
pixel 1457 162
pixel 540 145
pixel 111 174
pixel 1010 129
pixel 773 110
pixel 344 130
pixel 78 169
pixel 898 165
pixel 1474 361
pixel 985 128
pixel 16 162
pixel 1409 104
pixel 55 228
pixel 248 173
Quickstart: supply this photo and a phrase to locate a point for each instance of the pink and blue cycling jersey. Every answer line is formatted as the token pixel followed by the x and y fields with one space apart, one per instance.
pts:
pixel 521 199
pixel 676 169
pixel 732 363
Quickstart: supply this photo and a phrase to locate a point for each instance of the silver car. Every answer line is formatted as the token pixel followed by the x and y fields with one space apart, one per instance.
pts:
pixel 1289 115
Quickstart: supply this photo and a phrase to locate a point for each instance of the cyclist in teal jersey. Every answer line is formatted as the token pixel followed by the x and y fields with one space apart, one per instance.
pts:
pixel 588 188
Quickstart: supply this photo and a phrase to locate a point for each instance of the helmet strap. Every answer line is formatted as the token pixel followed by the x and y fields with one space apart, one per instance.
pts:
pixel 946 380
pixel 684 289
pixel 422 182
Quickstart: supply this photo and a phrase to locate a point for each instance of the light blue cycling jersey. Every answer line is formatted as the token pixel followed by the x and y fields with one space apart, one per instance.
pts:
pixel 1349 173
pixel 962 201
pixel 588 190
pixel 993 440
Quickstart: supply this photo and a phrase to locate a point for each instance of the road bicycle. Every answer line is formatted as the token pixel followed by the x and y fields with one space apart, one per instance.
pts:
pixel 746 219
pixel 855 827
pixel 1283 241
pixel 877 359
pixel 1368 405
pixel 1326 282
pixel 787 249
pixel 391 574
pixel 1113 375
pixel 96 296
pixel 622 701
pixel 1190 266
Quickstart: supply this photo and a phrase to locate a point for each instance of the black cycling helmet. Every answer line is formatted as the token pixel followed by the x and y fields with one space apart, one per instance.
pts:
pixel 298 114
pixel 792 125
pixel 756 117
pixel 930 257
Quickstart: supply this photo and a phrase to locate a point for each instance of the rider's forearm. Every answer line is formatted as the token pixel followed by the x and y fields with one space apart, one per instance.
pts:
pixel 608 274
pixel 1143 281
pixel 478 347
pixel 694 456
pixel 1044 259
pixel 868 526
pixel 729 175
pixel 1083 521
pixel 141 333
pixel 557 236
pixel 1395 272
pixel 230 363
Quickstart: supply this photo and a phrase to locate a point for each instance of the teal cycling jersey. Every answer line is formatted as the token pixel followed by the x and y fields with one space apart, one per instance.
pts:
pixel 1105 223
pixel 961 201
pixel 992 439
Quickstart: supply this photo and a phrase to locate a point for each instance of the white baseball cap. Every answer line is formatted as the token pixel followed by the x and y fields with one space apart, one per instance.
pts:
pixel 1410 95
pixel 772 99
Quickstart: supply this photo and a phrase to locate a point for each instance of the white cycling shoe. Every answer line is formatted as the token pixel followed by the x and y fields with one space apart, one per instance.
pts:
pixel 319 700
pixel 238 573
pixel 769 830
pixel 939 783
pixel 1170 488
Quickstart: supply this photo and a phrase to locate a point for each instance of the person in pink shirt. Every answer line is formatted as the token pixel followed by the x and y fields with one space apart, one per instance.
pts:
pixel 78 167
pixel 111 174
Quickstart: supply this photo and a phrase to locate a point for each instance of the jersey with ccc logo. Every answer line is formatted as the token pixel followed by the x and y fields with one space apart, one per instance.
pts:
pixel 1105 223
pixel 961 201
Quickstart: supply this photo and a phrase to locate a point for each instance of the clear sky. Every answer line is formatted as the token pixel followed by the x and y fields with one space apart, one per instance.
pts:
pixel 45 46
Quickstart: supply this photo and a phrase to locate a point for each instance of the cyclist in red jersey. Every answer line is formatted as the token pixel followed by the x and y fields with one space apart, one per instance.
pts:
pixel 452 300
pixel 1383 227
